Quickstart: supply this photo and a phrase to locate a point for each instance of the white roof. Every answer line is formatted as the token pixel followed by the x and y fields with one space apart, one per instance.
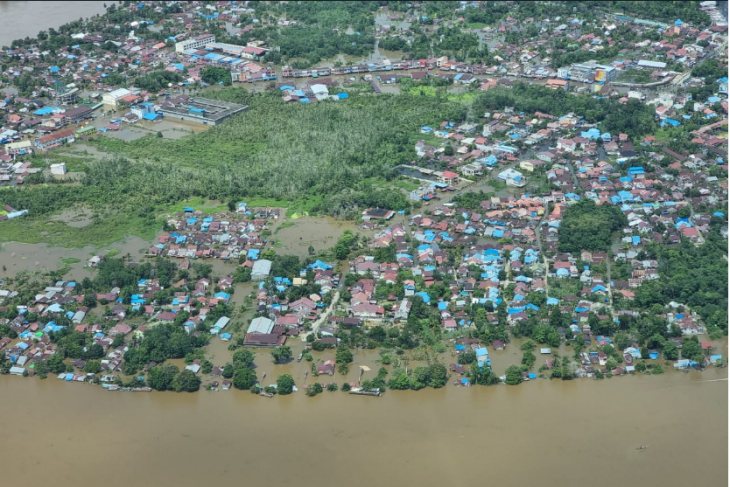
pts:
pixel 18 145
pixel 652 64
pixel 120 93
pixel 193 367
pixel 260 325
pixel 319 88
pixel 262 266
pixel 222 322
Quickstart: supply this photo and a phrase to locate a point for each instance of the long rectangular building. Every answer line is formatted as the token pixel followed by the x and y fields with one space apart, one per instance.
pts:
pixel 201 110
pixel 54 139
pixel 194 43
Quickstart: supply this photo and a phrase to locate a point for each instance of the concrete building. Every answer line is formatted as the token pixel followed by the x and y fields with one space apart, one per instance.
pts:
pixel 55 139
pixel 418 194
pixel 260 325
pixel 113 97
pixel 196 42
pixel 19 148
pixel 75 115
pixel 58 169
pixel 589 71
pixel 261 270
pixel 513 178
pixel 201 110
pixel 651 64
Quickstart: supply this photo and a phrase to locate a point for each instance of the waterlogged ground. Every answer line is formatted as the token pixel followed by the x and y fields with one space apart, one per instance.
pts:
pixel 16 257
pixel 294 236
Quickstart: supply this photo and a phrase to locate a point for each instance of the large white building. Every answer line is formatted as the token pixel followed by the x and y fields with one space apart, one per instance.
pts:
pixel 113 97
pixel 194 42
pixel 513 178
pixel 261 270
pixel 58 169
pixel 260 325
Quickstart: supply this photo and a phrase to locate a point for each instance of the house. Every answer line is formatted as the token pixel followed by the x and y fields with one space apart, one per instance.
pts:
pixel 327 367
pixel 404 309
pixel 120 329
pixel 289 321
pixel 376 214
pixel 303 306
pixel 449 177
pixel 367 311
pixel 546 156
pixel 264 339
pixel 567 145
pixel 530 164
pixel 557 84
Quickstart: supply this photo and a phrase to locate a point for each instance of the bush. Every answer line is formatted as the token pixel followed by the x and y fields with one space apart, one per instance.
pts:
pixel 285 384
pixel 186 381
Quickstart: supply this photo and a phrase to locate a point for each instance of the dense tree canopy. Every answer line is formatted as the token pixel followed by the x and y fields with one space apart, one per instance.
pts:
pixel 186 381
pixel 587 226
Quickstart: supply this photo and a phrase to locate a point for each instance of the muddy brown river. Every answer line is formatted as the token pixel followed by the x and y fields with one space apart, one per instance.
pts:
pixel 19 20
pixel 542 432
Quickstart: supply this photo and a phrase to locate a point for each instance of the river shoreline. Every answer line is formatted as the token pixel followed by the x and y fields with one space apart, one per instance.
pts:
pixel 453 379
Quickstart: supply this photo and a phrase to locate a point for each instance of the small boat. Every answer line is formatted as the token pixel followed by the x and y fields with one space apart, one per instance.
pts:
pixel 265 394
pixel 642 447
pixel 301 356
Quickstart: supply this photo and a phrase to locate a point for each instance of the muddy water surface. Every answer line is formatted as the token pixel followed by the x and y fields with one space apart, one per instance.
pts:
pixel 320 233
pixel 16 257
pixel 558 433
pixel 19 20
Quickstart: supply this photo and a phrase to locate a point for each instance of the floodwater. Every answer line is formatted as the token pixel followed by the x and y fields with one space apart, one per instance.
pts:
pixel 19 20
pixel 562 433
pixel 16 257
pixel 320 233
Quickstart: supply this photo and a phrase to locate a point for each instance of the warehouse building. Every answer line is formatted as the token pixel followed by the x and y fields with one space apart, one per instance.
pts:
pixel 261 270
pixel 201 110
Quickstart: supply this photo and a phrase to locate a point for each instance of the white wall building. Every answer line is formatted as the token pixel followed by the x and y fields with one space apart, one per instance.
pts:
pixel 58 169
pixel 113 97
pixel 196 42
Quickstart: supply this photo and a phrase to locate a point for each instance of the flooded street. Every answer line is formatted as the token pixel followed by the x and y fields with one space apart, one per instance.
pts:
pixel 562 431
pixel 19 20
